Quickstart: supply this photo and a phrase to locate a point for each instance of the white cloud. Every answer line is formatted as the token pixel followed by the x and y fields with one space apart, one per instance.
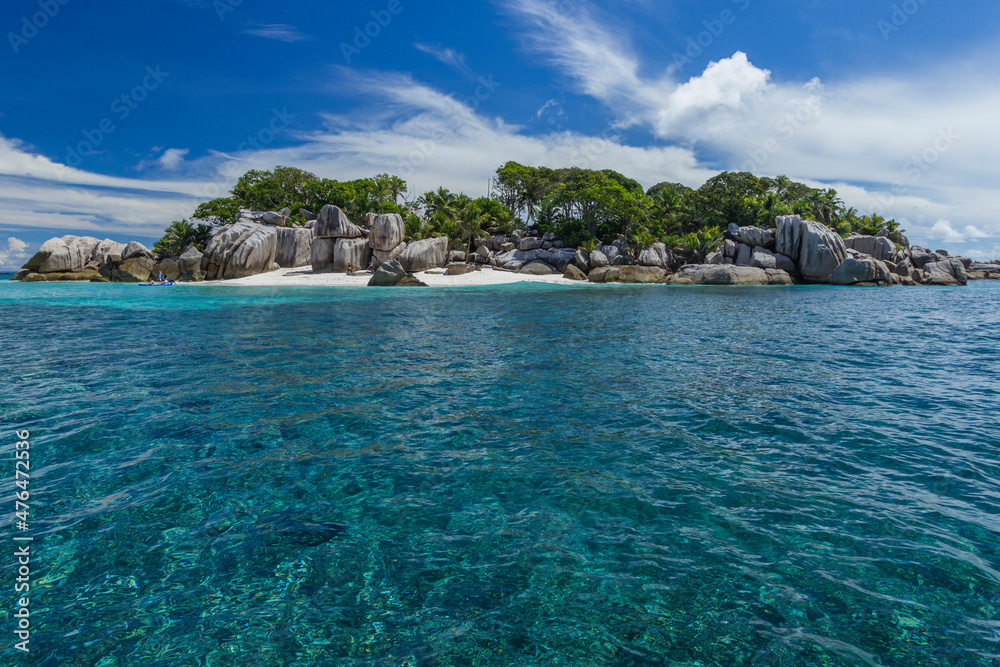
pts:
pixel 278 31
pixel 944 231
pixel 14 255
pixel 172 158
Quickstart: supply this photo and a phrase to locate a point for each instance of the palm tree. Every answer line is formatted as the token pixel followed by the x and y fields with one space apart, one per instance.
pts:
pixel 180 235
pixel 471 222
pixel 702 243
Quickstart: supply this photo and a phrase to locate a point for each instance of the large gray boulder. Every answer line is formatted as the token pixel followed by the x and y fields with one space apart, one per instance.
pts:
pixel 135 249
pixel 70 254
pixel 339 255
pixel 351 255
pixel 538 268
pixel 425 254
pixel 879 247
pixel 754 236
pixel 727 274
pixel 388 275
pixel 240 250
pixel 530 243
pixel 189 265
pixel 321 255
pixel 599 260
pixel 744 255
pixel 170 269
pixel 45 252
pixel 273 218
pixel 513 260
pixel 387 232
pixel 332 223
pixel 948 272
pixel 293 247
pixel 856 270
pixel 641 274
pixel 107 252
pixel 765 259
pixel 138 269
pixel 920 256
pixel 246 215
pixel 816 249
pixel 383 256
pixel 558 257
pixel 650 257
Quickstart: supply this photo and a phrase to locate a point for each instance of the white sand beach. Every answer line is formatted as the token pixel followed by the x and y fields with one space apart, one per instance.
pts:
pixel 304 276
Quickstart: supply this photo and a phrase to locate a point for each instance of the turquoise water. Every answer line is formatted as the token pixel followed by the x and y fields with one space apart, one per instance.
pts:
pixel 524 475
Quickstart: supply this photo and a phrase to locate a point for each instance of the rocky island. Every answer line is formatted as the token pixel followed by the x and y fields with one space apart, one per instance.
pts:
pixel 796 252
pixel 598 227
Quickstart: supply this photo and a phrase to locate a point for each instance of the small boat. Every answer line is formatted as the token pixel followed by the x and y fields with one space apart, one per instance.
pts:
pixel 169 283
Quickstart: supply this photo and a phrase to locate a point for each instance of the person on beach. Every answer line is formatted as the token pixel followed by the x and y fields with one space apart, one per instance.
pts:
pixel 162 278
pixel 350 269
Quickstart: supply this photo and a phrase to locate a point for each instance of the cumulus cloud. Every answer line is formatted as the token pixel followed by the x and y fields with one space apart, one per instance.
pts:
pixel 14 255
pixel 172 158
pixel 943 230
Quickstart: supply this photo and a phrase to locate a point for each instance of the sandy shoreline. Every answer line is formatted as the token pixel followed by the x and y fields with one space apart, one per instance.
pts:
pixel 303 276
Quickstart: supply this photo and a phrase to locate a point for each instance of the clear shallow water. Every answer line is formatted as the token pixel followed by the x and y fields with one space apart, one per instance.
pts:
pixel 508 476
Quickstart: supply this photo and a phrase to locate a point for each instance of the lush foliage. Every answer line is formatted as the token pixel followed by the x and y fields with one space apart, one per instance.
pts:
pixel 581 206
pixel 180 235
pixel 459 217
pixel 297 189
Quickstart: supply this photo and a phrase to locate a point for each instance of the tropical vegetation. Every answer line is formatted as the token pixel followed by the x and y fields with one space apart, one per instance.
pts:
pixel 582 207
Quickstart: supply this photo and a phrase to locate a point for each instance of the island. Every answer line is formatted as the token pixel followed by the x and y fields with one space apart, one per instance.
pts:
pixel 562 226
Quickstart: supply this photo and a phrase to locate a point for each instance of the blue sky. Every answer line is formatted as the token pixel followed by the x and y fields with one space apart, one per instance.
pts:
pixel 116 120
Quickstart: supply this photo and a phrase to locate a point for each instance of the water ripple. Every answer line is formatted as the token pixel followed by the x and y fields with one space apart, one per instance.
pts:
pixel 517 475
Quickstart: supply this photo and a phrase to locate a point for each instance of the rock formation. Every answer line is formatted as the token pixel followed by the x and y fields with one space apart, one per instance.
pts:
pixel 240 250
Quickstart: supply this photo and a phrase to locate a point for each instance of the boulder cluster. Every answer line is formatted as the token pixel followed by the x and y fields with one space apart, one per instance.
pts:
pixel 84 258
pixel 796 251
pixel 540 255
pixel 805 251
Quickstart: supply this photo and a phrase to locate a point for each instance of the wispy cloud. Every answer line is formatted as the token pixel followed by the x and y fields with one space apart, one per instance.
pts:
pixel 449 57
pixel 278 31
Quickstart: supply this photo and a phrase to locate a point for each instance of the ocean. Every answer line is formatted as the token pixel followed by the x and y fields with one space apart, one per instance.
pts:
pixel 518 475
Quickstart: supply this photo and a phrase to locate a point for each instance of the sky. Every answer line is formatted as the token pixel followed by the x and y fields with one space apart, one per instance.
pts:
pixel 117 119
